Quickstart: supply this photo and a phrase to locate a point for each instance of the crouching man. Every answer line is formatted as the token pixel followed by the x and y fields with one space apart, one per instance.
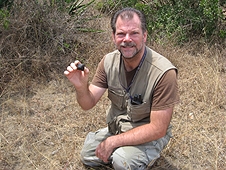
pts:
pixel 142 87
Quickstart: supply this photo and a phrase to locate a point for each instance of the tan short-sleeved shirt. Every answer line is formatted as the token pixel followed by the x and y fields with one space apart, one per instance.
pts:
pixel 165 93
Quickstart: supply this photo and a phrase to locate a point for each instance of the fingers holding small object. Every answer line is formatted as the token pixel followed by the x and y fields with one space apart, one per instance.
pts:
pixel 76 66
pixel 80 66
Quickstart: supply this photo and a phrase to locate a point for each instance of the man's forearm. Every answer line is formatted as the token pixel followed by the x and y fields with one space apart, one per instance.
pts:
pixel 85 98
pixel 139 135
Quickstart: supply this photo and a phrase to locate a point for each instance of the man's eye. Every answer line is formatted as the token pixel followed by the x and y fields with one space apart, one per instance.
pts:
pixel 120 34
pixel 134 33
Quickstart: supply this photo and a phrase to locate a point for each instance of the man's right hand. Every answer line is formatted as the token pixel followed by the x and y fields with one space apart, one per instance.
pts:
pixel 77 77
pixel 87 95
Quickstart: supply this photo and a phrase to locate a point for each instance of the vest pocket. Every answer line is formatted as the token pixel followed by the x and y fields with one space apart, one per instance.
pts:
pixel 139 112
pixel 117 97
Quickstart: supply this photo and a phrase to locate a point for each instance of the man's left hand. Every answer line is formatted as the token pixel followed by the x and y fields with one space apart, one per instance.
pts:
pixel 105 149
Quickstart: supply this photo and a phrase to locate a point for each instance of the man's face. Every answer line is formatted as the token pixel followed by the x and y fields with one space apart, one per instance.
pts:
pixel 129 37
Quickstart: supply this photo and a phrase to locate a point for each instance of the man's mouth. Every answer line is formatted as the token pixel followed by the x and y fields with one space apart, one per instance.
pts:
pixel 127 46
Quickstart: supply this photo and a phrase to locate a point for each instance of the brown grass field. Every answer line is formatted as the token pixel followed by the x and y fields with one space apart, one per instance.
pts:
pixel 43 127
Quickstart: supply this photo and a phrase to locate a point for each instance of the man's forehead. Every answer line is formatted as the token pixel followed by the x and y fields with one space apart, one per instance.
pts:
pixel 128 19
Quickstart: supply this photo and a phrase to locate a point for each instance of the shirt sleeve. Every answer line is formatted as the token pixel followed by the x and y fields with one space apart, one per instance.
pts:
pixel 166 93
pixel 100 77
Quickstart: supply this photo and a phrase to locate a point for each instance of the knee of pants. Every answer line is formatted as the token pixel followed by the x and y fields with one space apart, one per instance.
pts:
pixel 87 156
pixel 89 160
pixel 83 156
pixel 122 160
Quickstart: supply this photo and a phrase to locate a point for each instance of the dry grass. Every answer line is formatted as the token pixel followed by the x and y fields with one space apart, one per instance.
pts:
pixel 42 126
pixel 199 120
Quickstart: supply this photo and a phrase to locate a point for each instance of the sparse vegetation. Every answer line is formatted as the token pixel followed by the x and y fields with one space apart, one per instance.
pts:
pixel 183 19
pixel 42 126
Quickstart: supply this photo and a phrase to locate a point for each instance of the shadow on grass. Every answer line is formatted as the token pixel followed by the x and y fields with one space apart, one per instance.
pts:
pixel 161 164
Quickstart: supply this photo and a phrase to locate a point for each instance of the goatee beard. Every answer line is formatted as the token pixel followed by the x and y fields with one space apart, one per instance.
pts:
pixel 133 55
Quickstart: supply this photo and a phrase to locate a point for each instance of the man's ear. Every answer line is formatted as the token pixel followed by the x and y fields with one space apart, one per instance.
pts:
pixel 145 36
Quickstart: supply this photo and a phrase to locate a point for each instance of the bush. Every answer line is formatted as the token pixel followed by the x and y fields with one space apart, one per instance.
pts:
pixel 182 19
pixel 38 40
pixel 4 14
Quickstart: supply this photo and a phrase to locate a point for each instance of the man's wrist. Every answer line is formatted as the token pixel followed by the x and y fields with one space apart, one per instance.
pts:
pixel 115 141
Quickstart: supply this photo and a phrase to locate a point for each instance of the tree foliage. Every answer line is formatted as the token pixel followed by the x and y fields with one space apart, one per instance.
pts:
pixel 182 19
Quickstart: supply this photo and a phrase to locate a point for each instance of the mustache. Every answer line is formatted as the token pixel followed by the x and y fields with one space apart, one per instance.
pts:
pixel 127 44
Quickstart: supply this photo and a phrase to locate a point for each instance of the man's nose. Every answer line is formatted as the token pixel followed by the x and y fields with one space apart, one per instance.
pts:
pixel 127 38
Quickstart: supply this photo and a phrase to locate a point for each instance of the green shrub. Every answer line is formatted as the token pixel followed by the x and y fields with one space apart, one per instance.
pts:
pixel 183 19
pixel 4 14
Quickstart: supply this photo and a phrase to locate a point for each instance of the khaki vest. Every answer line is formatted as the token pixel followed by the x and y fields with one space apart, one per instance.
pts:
pixel 121 114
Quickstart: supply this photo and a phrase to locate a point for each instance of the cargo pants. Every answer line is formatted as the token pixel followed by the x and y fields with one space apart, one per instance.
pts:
pixel 123 158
